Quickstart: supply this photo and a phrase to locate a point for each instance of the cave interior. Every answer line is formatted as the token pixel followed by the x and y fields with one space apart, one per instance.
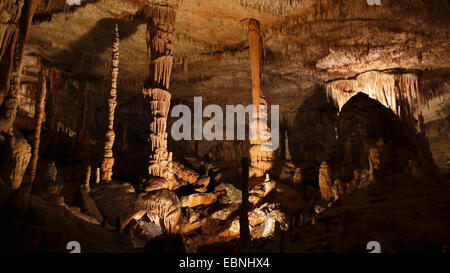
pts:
pixel 114 122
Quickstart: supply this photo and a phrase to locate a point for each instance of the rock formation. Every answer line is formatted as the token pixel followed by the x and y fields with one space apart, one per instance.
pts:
pixel 160 159
pixel 288 170
pixel 160 43
pixel 37 134
pixel 108 159
pixel 15 159
pixel 260 161
pixel 13 60
pixel 325 182
pixel 119 204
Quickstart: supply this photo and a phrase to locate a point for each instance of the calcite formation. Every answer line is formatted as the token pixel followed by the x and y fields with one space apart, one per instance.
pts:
pixel 288 170
pixel 261 161
pixel 13 50
pixel 159 159
pixel 160 43
pixel 325 182
pixel 119 204
pixel 37 133
pixel 15 160
pixel 108 159
pixel 399 92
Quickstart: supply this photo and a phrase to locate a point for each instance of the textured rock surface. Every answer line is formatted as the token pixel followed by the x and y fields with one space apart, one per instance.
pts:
pixel 119 204
pixel 16 159
pixel 198 199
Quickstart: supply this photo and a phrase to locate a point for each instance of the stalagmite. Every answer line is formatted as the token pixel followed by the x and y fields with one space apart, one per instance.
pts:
pixel 297 176
pixel 108 159
pixel 87 179
pixel 37 134
pixel 288 170
pixel 261 161
pixel 97 176
pixel 325 182
pixel 286 147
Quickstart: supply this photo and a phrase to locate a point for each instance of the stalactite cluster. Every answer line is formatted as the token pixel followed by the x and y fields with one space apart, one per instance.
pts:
pixel 278 7
pixel 160 43
pixel 399 92
pixel 108 159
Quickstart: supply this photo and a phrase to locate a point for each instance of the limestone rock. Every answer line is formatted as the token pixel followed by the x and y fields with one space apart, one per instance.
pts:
pixel 119 204
pixel 258 192
pixel 89 206
pixel 185 173
pixel 225 213
pixel 198 199
pixel 228 194
pixel 154 183
pixel 202 182
pixel 16 159
pixel 297 179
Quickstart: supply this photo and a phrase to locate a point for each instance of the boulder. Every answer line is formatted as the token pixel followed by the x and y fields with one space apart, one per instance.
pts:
pixel 202 183
pixel 259 191
pixel 119 204
pixel 224 213
pixel 198 199
pixel 228 194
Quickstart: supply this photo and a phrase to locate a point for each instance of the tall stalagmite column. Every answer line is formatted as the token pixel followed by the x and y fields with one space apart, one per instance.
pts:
pixel 261 161
pixel 108 159
pixel 160 41
pixel 40 109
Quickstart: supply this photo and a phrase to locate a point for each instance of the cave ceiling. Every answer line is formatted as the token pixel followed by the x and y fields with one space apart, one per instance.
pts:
pixel 306 43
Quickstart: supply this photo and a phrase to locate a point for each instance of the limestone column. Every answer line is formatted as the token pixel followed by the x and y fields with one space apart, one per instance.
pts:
pixel 40 109
pixel 160 42
pixel 261 161
pixel 108 159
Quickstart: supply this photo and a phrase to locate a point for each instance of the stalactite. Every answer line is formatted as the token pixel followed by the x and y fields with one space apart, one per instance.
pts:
pixel 37 134
pixel 108 159
pixel 160 43
pixel 399 92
